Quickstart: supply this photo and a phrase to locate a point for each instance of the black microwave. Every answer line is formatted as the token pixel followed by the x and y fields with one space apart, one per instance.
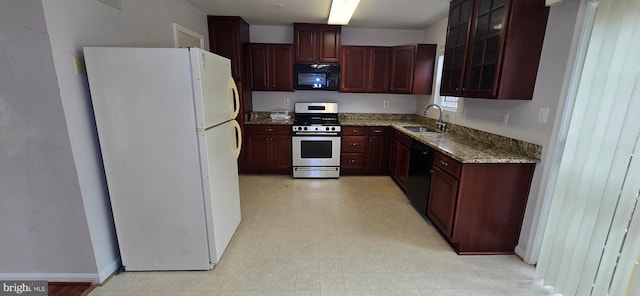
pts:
pixel 316 76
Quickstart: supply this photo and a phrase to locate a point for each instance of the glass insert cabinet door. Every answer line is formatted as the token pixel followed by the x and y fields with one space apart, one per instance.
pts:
pixel 485 45
pixel 456 45
pixel 474 36
pixel 493 48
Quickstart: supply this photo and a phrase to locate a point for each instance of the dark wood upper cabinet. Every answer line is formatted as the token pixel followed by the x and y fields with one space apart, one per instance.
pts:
pixel 271 66
pixel 316 43
pixel 493 48
pixel 353 75
pixel 402 58
pixel 259 64
pixel 412 69
pixel 379 66
pixel 365 69
pixel 228 37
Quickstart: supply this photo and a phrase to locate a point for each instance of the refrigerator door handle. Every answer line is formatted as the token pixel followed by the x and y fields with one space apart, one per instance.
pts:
pixel 236 97
pixel 238 136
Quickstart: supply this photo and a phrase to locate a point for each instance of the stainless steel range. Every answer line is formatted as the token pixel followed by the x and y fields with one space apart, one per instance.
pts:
pixel 316 141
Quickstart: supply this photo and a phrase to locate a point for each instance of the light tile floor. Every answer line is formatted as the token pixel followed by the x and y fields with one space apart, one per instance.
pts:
pixel 345 237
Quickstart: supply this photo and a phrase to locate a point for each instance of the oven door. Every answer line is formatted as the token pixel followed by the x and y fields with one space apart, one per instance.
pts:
pixel 316 150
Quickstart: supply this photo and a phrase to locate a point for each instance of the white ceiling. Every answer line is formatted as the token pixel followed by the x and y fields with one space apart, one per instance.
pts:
pixel 389 14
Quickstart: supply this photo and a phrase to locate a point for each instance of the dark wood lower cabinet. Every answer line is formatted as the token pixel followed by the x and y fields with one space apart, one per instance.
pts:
pixel 267 149
pixel 478 207
pixel 364 150
pixel 399 153
pixel 442 200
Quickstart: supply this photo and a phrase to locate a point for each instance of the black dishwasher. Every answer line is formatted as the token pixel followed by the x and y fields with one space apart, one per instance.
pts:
pixel 419 176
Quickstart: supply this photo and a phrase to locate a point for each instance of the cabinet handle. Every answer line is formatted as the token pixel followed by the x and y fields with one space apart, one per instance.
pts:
pixel 354 144
pixel 444 163
pixel 354 131
pixel 269 129
pixel 377 131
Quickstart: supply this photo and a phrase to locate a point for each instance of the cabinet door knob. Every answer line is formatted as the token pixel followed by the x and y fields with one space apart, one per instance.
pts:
pixel 352 160
pixel 444 163
pixel 354 144
pixel 269 129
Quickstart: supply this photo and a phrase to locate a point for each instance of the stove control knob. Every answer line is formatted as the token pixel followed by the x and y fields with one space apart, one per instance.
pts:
pixel 327 128
pixel 305 128
pixel 333 128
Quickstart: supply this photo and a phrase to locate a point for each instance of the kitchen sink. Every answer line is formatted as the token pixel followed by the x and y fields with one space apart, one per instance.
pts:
pixel 420 129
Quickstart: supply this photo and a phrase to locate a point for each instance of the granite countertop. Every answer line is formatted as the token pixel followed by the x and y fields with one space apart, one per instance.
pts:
pixel 457 147
pixel 454 145
pixel 268 120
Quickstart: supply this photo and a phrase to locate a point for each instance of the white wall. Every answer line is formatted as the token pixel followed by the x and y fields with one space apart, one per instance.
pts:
pixel 488 115
pixel 434 34
pixel 59 224
pixel 348 102
pixel 76 23
pixel 43 228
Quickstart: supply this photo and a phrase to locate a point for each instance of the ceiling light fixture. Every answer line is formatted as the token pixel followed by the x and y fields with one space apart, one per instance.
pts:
pixel 341 11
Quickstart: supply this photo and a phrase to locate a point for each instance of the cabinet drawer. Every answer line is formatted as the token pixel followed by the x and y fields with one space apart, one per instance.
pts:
pixel 354 130
pixel 401 138
pixel 448 164
pixel 267 129
pixel 377 131
pixel 354 143
pixel 352 161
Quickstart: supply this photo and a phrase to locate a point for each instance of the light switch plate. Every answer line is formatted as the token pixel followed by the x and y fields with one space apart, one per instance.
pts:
pixel 543 115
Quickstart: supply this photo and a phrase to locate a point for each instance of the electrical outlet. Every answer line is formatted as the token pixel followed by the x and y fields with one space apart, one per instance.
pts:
pixel 385 104
pixel 286 102
pixel 543 115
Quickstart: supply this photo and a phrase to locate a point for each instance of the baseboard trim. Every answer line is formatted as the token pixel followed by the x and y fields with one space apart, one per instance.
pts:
pixel 106 271
pixel 521 253
pixel 51 277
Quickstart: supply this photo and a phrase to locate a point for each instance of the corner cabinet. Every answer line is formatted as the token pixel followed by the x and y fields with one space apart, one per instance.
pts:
pixel 316 43
pixel 412 69
pixel 271 66
pixel 267 149
pixel 365 69
pixel 493 48
pixel 479 207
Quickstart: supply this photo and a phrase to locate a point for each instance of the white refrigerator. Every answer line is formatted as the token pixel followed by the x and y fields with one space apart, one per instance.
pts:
pixel 169 143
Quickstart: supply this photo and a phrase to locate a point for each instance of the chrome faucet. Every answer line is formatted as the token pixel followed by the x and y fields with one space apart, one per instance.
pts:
pixel 441 125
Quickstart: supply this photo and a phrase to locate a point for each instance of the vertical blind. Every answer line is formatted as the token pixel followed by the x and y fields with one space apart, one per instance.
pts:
pixel 591 242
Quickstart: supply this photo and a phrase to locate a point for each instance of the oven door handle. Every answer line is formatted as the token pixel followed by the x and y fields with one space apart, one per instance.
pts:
pixel 314 134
